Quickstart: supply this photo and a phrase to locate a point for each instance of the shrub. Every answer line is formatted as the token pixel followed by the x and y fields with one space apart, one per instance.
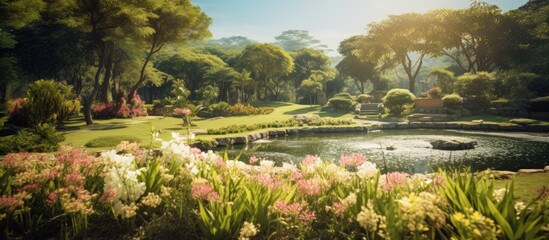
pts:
pixel 340 103
pixel 18 112
pixel 329 121
pixel 244 110
pixel 246 128
pixel 435 92
pixel 220 109
pixel 480 84
pixel 523 121
pixel 364 98
pixel 500 103
pixel 110 141
pixel 477 102
pixel 344 95
pixel 120 109
pixel 452 101
pixel 540 104
pixel 45 101
pixel 42 139
pixel 398 100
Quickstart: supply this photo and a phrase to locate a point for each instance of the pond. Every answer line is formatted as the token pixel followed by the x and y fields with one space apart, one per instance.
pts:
pixel 412 150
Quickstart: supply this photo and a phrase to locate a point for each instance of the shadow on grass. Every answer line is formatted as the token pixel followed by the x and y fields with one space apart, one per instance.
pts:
pixel 107 127
pixel 173 128
pixel 269 104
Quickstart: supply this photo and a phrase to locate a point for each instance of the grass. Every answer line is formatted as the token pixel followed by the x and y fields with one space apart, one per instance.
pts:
pixel 527 186
pixel 78 134
pixel 110 141
pixel 495 119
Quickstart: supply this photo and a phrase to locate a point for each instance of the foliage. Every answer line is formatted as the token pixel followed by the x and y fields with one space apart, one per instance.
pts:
pixel 309 88
pixel 540 104
pixel 514 85
pixel 18 112
pixel 224 109
pixel 435 93
pixel 480 84
pixel 252 127
pixel 477 102
pixel 397 101
pixel 306 61
pixel 500 103
pixel 452 101
pixel 361 71
pixel 523 121
pixel 110 141
pixel 45 101
pixel 44 138
pixel 329 121
pixel 291 40
pixel 444 78
pixel 219 109
pixel 341 103
pixel 120 109
pixel 364 98
pixel 71 194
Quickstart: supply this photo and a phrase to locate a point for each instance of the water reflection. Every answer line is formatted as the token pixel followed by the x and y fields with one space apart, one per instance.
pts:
pixel 412 150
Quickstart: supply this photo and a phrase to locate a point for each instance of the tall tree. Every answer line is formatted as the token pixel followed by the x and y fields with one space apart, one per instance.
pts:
pixel 479 38
pixel 170 21
pixel 266 63
pixel 306 61
pixel 399 40
pixel 360 70
pixel 291 40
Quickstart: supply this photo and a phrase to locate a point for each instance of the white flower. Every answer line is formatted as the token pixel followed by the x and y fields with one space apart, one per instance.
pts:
pixel 367 170
pixel 248 230
pixel 499 193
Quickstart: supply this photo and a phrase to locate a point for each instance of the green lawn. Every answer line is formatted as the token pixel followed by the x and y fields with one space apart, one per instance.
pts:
pixel 78 134
pixel 527 186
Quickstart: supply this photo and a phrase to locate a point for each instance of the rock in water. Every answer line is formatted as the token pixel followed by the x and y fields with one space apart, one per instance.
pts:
pixel 453 144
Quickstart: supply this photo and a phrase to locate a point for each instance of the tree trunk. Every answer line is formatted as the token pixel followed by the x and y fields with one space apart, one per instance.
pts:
pixel 142 76
pixel 106 87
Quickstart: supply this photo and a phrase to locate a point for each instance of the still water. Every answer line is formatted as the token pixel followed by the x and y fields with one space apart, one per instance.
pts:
pixel 412 150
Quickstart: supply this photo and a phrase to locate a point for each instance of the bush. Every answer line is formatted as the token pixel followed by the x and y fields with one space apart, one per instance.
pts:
pixel 245 110
pixel 42 139
pixel 45 101
pixel 110 141
pixel 540 104
pixel 480 84
pixel 523 121
pixel 329 121
pixel 477 102
pixel 18 112
pixel 398 101
pixel 219 109
pixel 435 92
pixel 500 103
pixel 252 127
pixel 364 98
pixel 340 103
pixel 344 96
pixel 452 101
pixel 120 109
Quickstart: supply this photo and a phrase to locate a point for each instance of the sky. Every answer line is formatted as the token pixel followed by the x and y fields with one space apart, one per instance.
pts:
pixel 329 21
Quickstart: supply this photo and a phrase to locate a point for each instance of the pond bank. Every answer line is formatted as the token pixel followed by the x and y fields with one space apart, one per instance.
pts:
pixel 266 134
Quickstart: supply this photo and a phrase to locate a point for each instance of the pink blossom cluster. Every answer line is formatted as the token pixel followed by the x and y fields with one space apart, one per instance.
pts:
pixel 267 180
pixel 204 191
pixel 288 209
pixel 309 187
pixel 393 180
pixel 353 160
pixel 182 111
pixel 311 160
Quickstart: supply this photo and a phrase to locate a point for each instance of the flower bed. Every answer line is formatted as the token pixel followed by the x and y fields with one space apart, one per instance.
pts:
pixel 181 192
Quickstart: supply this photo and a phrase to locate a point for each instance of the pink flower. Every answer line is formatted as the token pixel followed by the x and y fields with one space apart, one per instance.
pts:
pixel 393 180
pixel 182 111
pixel 267 180
pixel 204 191
pixel 288 209
pixel 10 202
pixel 354 160
pixel 307 216
pixel 74 179
pixel 310 160
pixel 107 196
pixel 253 159
pixel 338 208
pixel 308 187
pixel 195 151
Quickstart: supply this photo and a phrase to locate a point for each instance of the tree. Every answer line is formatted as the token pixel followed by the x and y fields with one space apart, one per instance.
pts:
pixel 306 61
pixel 232 43
pixel 171 21
pixel 479 38
pixel 266 63
pixel 309 88
pixel 192 68
pixel 399 40
pixel 244 85
pixel 291 40
pixel 223 78
pixel 360 70
pixel 444 78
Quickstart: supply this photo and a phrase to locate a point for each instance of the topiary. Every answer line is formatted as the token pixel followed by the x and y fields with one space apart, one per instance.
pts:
pixel 344 95
pixel 339 103
pixel 364 98
pixel 452 101
pixel 398 100
pixel 43 139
